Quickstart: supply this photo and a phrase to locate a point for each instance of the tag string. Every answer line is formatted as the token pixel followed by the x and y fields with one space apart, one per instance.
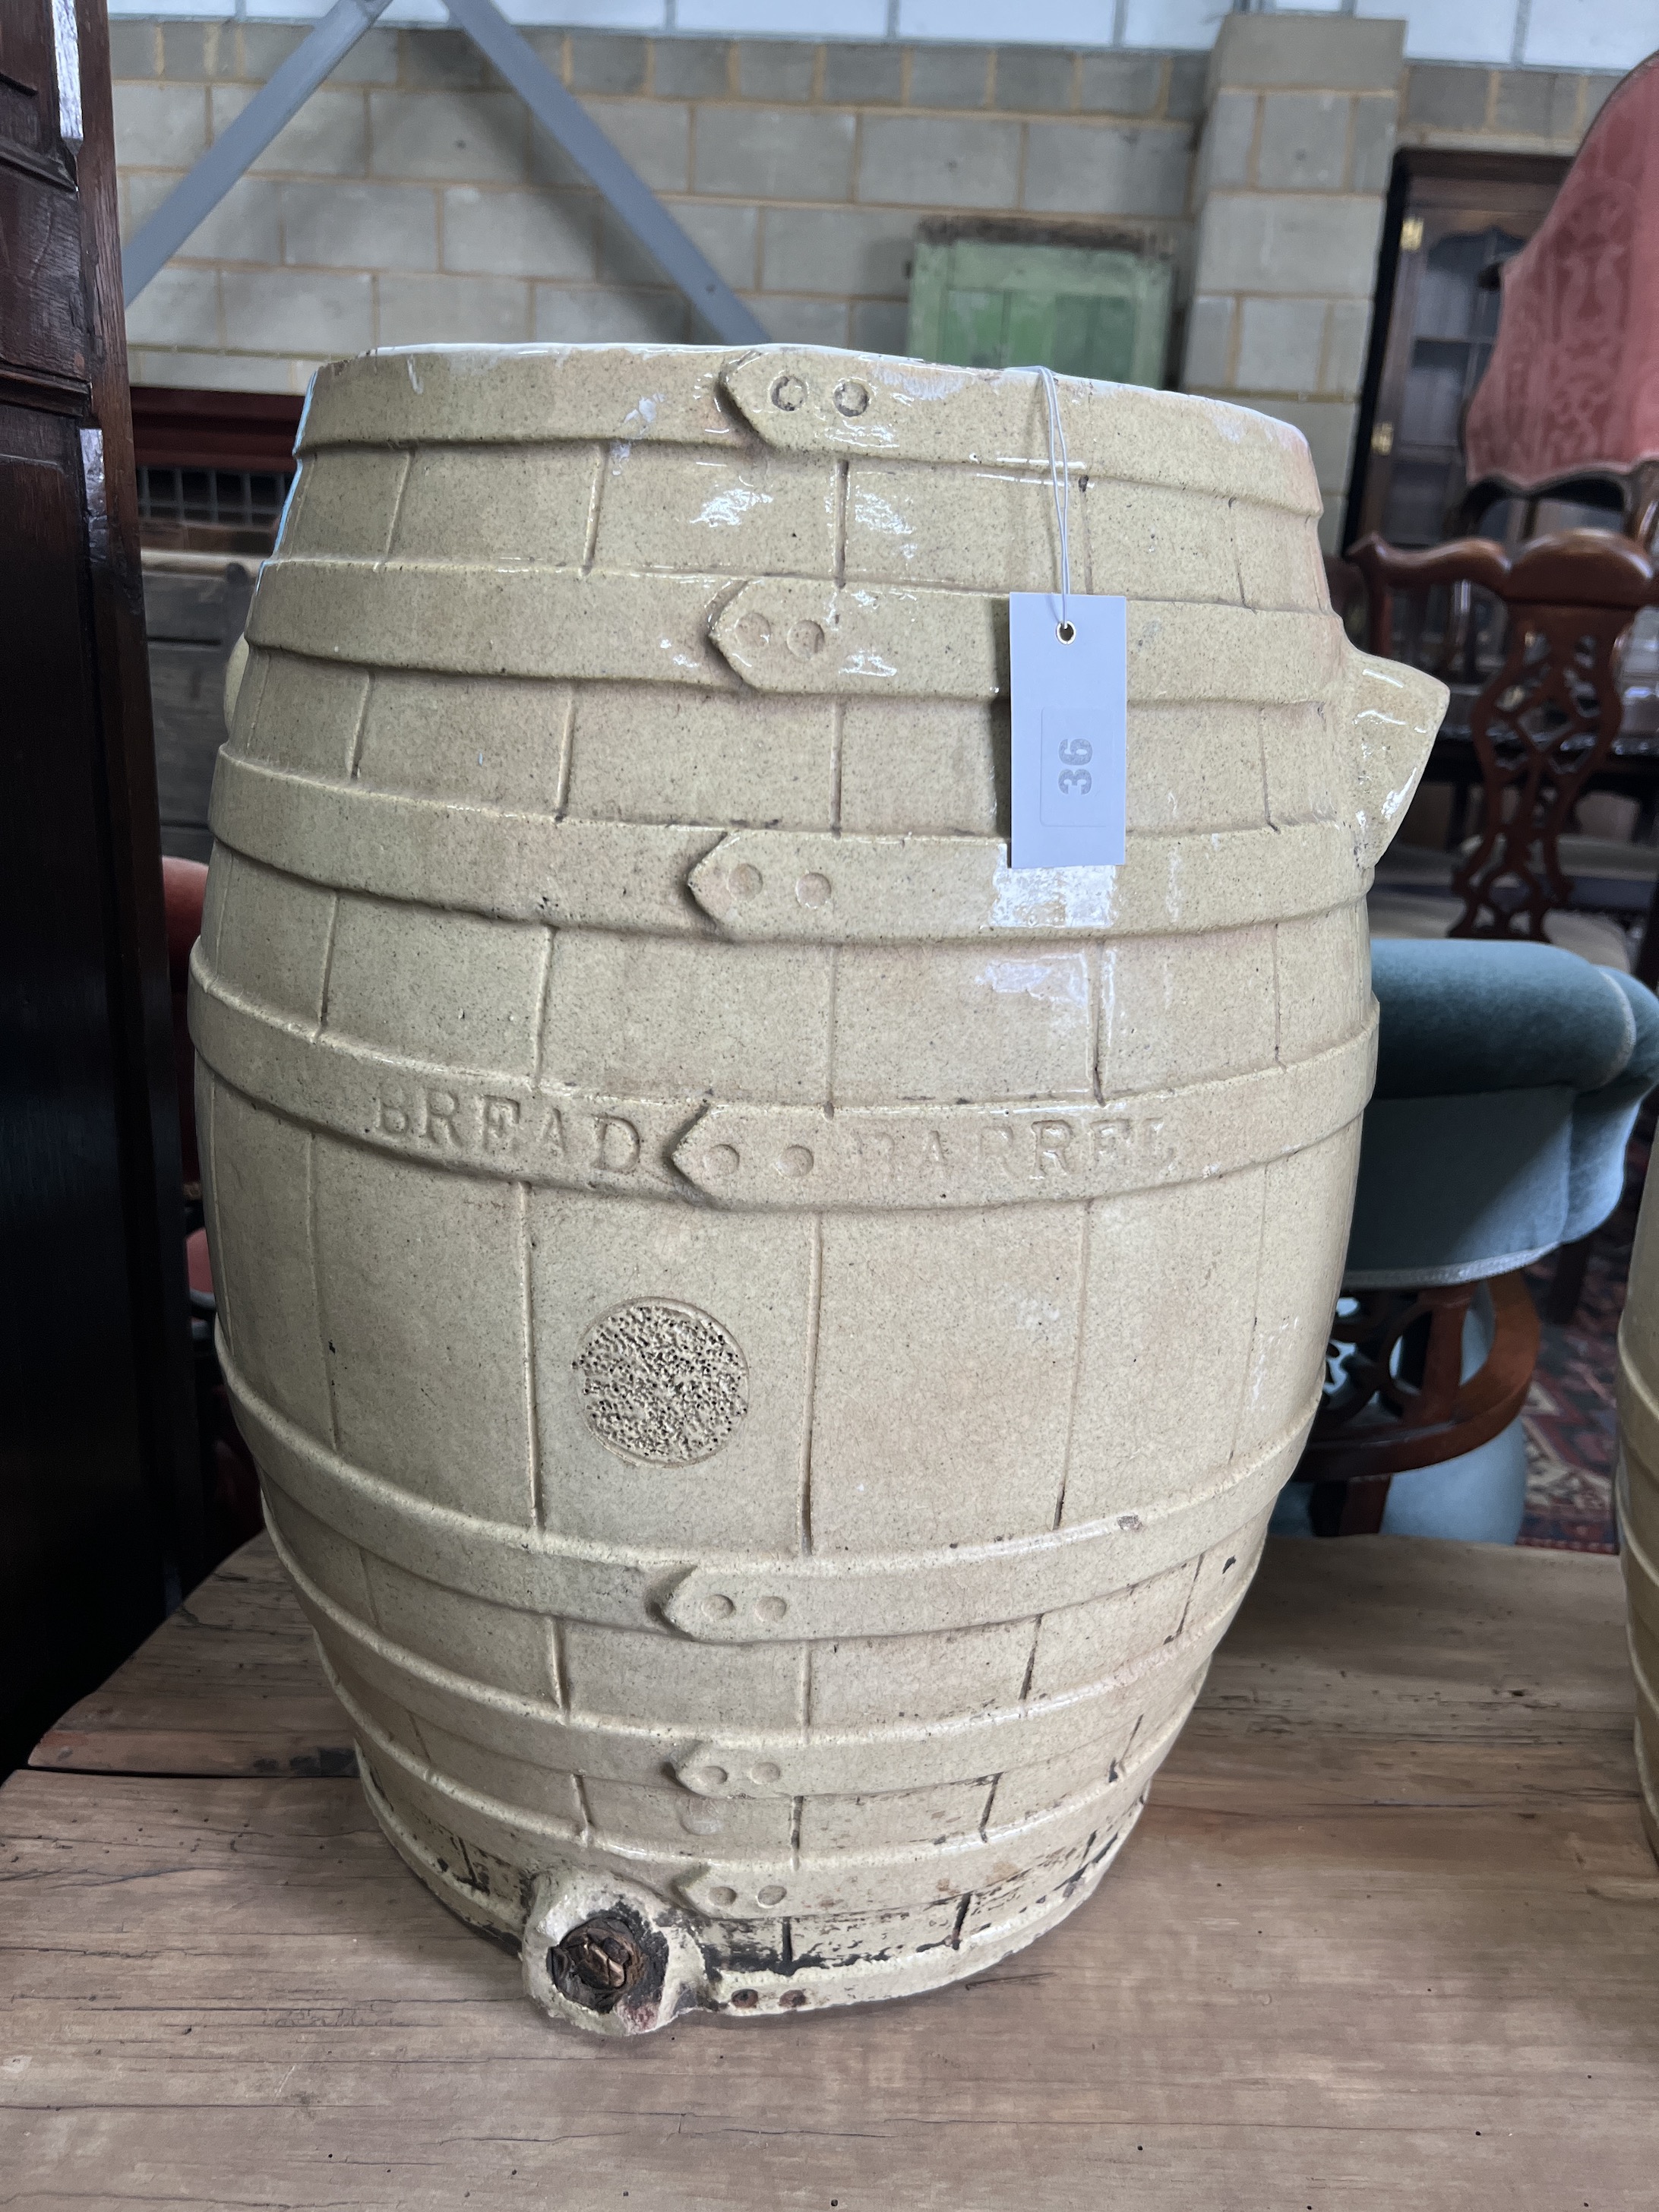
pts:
pixel 1059 483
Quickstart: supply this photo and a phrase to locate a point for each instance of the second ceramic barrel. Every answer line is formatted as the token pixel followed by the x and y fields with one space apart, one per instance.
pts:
pixel 771 1339
pixel 1637 1496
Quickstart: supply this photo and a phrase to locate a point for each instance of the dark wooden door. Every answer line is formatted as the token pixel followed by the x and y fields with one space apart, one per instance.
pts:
pixel 1451 218
pixel 99 1510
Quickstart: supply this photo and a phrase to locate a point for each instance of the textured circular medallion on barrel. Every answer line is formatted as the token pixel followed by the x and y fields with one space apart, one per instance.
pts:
pixel 662 1382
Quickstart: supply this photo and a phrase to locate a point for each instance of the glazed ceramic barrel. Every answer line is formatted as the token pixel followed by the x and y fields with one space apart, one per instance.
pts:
pixel 1638 1495
pixel 771 1339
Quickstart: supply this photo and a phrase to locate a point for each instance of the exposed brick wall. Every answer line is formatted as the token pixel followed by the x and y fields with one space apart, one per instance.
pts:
pixel 1289 188
pixel 1292 179
pixel 413 199
pixel 1519 111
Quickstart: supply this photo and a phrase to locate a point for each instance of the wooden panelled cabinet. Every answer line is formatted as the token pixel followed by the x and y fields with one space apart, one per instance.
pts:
pixel 1452 218
pixel 98 1490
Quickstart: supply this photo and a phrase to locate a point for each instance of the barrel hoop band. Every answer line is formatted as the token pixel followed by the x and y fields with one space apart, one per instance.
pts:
pixel 756 1887
pixel 785 1600
pixel 749 1156
pixel 983 1155
pixel 771 1763
pixel 821 403
pixel 812 401
pixel 802 635
pixel 1638 1420
pixel 773 886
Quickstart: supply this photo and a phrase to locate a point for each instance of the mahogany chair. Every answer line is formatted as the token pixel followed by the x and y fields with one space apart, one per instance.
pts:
pixel 1569 394
pixel 1509 1077
pixel 1530 640
pixel 1536 698
pixel 1401 1399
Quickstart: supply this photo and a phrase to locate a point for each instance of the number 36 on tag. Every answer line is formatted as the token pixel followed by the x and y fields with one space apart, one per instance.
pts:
pixel 1069 709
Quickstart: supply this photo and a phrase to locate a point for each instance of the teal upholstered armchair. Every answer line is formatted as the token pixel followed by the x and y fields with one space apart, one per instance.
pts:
pixel 1509 1077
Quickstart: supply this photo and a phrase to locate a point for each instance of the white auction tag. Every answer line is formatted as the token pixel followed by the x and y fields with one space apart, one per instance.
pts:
pixel 1069 690
pixel 1069 686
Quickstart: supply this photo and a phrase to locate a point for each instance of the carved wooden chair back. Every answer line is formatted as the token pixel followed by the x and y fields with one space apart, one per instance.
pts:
pixel 1547 714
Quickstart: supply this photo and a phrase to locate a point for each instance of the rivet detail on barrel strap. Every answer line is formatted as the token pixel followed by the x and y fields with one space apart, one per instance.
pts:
pixel 821 1599
pixel 771 1764
pixel 992 1155
pixel 776 1156
pixel 809 402
pixel 795 634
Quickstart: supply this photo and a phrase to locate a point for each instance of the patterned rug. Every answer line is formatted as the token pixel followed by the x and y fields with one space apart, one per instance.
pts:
pixel 1570 1427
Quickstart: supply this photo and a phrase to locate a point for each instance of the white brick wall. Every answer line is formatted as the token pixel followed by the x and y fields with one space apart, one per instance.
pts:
pixel 413 199
pixel 1594 35
pixel 1289 187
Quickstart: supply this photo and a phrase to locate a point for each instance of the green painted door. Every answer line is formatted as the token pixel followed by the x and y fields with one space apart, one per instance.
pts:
pixel 1083 311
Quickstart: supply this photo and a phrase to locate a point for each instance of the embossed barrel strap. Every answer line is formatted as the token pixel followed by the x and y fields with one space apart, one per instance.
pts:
pixel 977 1155
pixel 492 860
pixel 791 634
pixel 752 1600
pixel 749 1156
pixel 776 1763
pixel 750 1887
pixel 815 402
pixel 1638 1414
pixel 778 886
pixel 795 634
pixel 812 887
pixel 810 402
pixel 501 1125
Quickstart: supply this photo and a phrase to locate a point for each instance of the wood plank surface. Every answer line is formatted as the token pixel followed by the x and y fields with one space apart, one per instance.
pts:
pixel 231 1993
pixel 1394 1639
pixel 1387 1939
pixel 229 1684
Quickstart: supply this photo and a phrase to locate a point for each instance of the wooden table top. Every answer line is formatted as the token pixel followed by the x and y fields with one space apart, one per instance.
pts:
pixel 1387 1936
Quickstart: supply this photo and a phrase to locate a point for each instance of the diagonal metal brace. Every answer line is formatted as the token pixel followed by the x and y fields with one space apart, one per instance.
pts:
pixel 633 203
pixel 193 199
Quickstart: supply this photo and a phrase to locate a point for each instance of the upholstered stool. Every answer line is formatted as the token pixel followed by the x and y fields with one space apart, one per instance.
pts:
pixel 1508 1076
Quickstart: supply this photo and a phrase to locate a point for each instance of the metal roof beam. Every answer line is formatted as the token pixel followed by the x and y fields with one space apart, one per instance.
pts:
pixel 275 103
pixel 630 199
pixel 633 203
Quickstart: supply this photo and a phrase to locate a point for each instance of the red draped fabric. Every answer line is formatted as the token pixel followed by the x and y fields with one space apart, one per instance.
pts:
pixel 1573 383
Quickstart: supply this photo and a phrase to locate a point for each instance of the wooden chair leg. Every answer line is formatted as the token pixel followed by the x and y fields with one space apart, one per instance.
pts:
pixel 1401 1401
pixel 1567 1282
pixel 1647 960
pixel 1350 1509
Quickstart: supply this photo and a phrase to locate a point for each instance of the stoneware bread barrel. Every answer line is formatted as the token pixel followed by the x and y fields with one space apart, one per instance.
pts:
pixel 771 1339
pixel 1638 1494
